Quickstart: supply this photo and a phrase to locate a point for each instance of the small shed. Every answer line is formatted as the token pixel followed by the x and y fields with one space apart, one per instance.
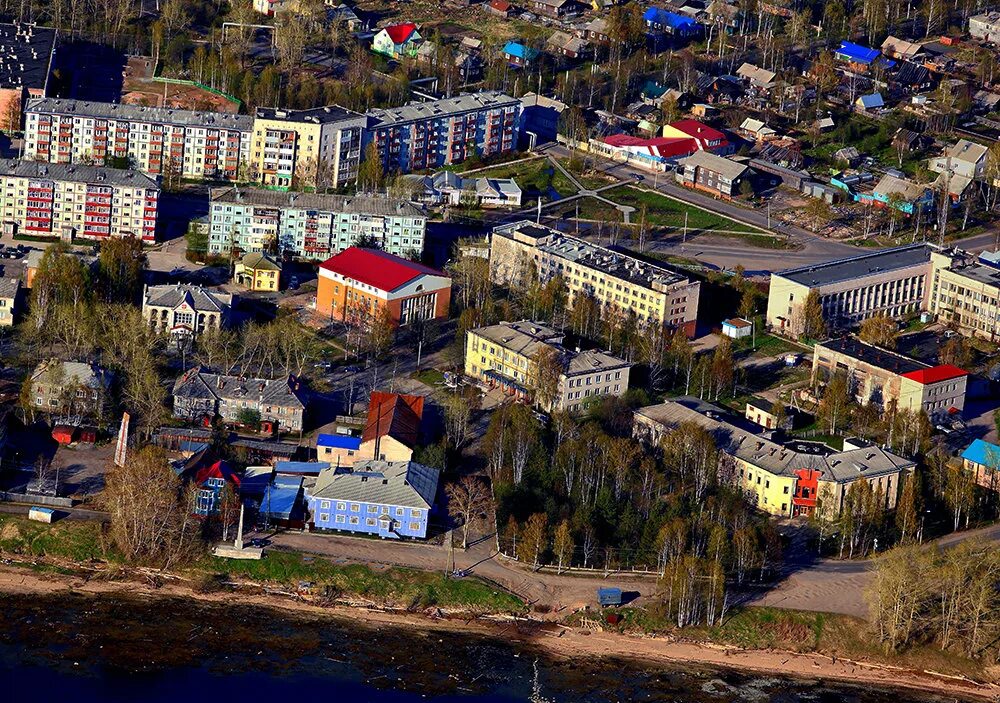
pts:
pixel 609 596
pixel 737 328
pixel 64 434
pixel 38 514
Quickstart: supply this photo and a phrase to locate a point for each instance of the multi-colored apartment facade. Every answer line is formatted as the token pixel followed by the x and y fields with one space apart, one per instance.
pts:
pixel 447 131
pixel 310 225
pixel 67 201
pixel 315 148
pixel 152 139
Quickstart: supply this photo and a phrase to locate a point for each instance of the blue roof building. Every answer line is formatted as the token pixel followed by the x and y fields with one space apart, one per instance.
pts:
pixel 337 449
pixel 391 499
pixel 518 54
pixel 282 499
pixel 855 53
pixel 659 20
pixel 982 459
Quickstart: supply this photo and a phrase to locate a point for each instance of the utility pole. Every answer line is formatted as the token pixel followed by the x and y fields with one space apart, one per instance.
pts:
pixel 684 236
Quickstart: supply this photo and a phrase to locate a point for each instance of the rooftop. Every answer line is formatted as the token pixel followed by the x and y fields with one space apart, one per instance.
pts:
pixel 614 263
pixel 77 173
pixel 873 356
pixel 394 415
pixel 318 115
pixel 445 107
pixel 727 168
pixel 352 204
pixel 196 297
pixel 738 437
pixel 405 484
pixel 25 55
pixel 855 267
pixel 377 268
pixel 284 392
pixel 140 113
pixel 528 338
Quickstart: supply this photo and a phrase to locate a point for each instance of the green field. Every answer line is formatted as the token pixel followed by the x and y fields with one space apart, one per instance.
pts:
pixel 534 177
pixel 662 211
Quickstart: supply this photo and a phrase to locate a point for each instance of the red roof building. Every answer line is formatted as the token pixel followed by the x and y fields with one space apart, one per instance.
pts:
pixel 357 284
pixel 400 33
pixel 936 374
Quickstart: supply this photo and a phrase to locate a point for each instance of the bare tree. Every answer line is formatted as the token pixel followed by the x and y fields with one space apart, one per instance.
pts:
pixel 468 501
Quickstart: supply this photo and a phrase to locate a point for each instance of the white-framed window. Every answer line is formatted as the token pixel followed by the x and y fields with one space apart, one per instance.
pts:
pixel 340 518
pixel 324 517
pixel 354 520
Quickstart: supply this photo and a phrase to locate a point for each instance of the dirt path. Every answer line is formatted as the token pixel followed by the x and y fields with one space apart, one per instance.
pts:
pixel 556 640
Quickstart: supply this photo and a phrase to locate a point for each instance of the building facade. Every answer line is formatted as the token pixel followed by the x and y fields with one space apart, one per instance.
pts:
pixel 794 479
pixel 185 309
pixel 507 356
pixel 966 295
pixel 391 499
pixel 311 225
pixel 357 284
pixel 212 145
pixel 281 402
pixel 711 173
pixel 316 148
pixel 653 293
pixel 884 378
pixel 10 300
pixel 446 131
pixel 893 282
pixel 258 272
pixel 70 388
pixel 62 200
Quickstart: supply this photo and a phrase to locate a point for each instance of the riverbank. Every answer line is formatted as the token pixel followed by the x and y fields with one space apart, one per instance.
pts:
pixel 556 641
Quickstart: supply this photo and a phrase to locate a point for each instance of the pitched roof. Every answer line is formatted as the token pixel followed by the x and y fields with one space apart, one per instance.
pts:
pixel 283 392
pixel 857 53
pixel 377 268
pixel 220 469
pixel 400 33
pixel 259 261
pixel 197 298
pixel 698 130
pixel 405 484
pixel 726 168
pixel 905 187
pixel 394 415
pixel 936 374
pixel 983 452
pixel 9 287
pixel 870 101
pixel 501 5
pixel 667 18
pixel 756 74
pixel 520 51
pixel 900 47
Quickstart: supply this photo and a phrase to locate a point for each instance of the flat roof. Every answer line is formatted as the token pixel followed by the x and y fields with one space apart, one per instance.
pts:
pixel 979 273
pixel 318 115
pixel 417 111
pixel 873 356
pixel 354 204
pixel 25 55
pixel 76 173
pixel 855 267
pixel 140 113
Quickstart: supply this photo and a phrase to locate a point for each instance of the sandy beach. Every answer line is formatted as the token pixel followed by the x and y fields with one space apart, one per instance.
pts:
pixel 554 640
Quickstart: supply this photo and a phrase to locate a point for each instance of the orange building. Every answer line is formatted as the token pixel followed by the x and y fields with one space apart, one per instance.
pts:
pixel 356 283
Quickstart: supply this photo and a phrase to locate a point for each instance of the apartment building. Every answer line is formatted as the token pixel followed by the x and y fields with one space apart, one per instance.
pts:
pixel 316 148
pixel 186 309
pixel 966 294
pixel 621 284
pixel 64 200
pixel 884 378
pixel 784 479
pixel 432 134
pixel 70 388
pixel 892 282
pixel 506 356
pixel 26 54
pixel 311 225
pixel 155 140
pixel 713 174
pixel 281 403
pixel 357 283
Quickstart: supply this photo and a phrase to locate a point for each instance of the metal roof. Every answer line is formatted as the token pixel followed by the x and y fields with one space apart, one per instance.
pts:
pixel 77 173
pixel 856 267
pixel 441 109
pixel 397 483
pixel 140 113
pixel 25 55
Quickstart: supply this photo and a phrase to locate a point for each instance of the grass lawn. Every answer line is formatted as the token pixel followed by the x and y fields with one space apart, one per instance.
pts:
pixel 432 377
pixel 535 177
pixel 768 345
pixel 67 539
pixel 588 179
pixel 662 211
pixel 407 587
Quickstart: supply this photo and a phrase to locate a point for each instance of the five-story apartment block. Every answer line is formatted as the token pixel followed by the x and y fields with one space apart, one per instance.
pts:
pixel 654 294
pixel 310 225
pixel 155 140
pixel 316 148
pixel 447 131
pixel 77 201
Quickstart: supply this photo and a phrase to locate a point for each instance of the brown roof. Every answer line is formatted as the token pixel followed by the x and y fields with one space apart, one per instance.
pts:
pixel 396 415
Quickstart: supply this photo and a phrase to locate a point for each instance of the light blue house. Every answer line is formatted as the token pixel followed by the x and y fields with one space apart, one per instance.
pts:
pixel 517 54
pixel 391 499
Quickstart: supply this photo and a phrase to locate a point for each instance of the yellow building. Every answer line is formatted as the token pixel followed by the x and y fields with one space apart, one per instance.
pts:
pixel 258 272
pixel 315 148
pixel 966 295
pixel 621 284
pixel 788 479
pixel 506 356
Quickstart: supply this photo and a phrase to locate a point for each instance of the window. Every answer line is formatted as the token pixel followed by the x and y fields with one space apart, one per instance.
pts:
pixel 370 521
pixel 324 517
pixel 354 507
pixel 414 512
pixel 340 518
pixel 341 506
pixel 354 520
pixel 786 490
pixel 325 504
pixel 400 512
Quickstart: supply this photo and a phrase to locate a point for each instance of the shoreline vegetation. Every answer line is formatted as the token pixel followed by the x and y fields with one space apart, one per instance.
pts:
pixel 71 557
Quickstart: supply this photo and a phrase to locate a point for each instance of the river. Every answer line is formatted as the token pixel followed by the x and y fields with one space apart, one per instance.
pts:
pixel 135 648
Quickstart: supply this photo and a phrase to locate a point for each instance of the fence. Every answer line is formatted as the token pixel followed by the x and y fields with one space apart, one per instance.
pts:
pixel 50 501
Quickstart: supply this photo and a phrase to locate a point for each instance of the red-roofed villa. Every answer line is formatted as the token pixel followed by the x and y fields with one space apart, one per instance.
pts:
pixel 397 41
